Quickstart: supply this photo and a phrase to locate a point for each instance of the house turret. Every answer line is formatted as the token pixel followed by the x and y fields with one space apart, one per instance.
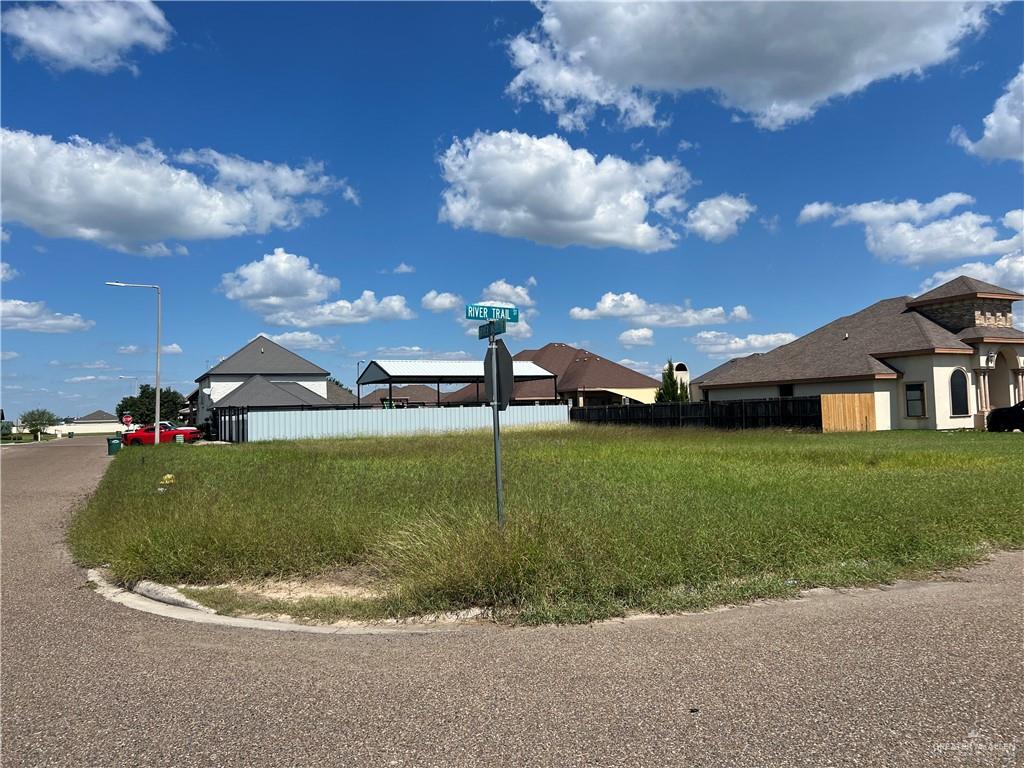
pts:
pixel 967 303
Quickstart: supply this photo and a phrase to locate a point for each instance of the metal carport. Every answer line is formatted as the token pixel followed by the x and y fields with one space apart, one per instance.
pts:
pixel 438 372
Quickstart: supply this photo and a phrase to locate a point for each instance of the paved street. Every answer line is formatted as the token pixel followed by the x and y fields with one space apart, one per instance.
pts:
pixel 917 676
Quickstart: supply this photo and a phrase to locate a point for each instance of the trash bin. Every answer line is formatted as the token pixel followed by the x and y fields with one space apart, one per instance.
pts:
pixel 71 434
pixel 113 445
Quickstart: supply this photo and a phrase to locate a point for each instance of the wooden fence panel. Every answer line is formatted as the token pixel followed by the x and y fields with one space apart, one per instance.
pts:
pixel 848 412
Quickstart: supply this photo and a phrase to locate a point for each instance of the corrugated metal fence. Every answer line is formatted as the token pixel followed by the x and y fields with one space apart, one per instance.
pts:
pixel 377 422
pixel 799 412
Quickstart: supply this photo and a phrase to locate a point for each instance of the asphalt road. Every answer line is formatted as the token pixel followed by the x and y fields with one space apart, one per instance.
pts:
pixel 918 676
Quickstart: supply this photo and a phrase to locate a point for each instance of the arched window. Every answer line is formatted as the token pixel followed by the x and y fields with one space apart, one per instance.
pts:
pixel 958 393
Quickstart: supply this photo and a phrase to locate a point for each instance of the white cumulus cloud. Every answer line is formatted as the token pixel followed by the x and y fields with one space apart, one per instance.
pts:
pixel 7 272
pixel 503 291
pixel 911 232
pixel 287 289
pixel 777 62
pixel 302 340
pixel 171 349
pixel 632 308
pixel 279 280
pixel 1003 137
pixel 81 379
pixel 542 189
pixel 637 337
pixel 128 349
pixel 8 355
pixel 719 218
pixel 1006 272
pixel 18 315
pixel 95 36
pixel 415 352
pixel 720 345
pixel 441 301
pixel 343 312
pixel 133 198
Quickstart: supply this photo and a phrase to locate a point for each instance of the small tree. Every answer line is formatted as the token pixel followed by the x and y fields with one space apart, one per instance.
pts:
pixel 142 406
pixel 38 419
pixel 668 392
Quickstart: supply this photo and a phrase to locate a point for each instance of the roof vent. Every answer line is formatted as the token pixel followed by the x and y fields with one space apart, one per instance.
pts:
pixel 846 336
pixel 261 350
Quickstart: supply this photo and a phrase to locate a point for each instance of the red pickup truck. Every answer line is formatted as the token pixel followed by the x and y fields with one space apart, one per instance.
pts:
pixel 168 433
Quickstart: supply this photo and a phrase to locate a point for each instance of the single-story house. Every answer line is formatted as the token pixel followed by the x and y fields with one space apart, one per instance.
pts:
pixel 941 360
pixel 95 423
pixel 581 378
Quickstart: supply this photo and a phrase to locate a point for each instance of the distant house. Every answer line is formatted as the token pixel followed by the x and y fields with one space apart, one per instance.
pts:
pixel 95 423
pixel 265 374
pixel 942 360
pixel 581 378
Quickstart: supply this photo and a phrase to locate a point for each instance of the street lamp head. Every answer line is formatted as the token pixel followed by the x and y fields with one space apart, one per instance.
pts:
pixel 119 284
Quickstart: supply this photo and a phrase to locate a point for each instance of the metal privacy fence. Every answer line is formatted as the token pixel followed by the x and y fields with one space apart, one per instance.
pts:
pixel 791 412
pixel 251 425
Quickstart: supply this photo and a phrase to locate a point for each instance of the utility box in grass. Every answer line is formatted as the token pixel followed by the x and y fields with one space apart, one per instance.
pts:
pixel 179 438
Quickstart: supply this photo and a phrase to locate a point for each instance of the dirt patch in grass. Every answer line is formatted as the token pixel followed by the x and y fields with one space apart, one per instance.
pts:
pixel 350 583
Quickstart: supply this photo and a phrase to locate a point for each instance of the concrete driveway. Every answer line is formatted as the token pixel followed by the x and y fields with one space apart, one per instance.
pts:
pixel 919 676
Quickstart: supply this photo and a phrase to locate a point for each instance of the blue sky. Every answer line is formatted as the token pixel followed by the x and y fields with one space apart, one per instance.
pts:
pixel 637 180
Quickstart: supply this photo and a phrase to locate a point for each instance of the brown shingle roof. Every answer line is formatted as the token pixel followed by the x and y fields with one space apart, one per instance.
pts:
pixel 845 348
pixel 339 396
pixel 575 369
pixel 963 287
pixel 990 332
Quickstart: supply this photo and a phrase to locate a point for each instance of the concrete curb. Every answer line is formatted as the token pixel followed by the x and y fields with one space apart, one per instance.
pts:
pixel 157 607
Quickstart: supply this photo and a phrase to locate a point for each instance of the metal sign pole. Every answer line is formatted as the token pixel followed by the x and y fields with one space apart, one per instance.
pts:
pixel 499 488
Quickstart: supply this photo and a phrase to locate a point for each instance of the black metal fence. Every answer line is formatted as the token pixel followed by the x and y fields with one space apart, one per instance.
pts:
pixel 792 412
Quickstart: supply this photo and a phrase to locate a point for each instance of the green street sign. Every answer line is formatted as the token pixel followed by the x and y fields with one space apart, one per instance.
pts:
pixel 485 312
pixel 492 328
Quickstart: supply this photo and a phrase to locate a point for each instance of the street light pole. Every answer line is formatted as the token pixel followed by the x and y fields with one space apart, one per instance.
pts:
pixel 156 420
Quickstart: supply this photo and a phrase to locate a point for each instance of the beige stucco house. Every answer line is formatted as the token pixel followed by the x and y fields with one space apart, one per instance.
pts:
pixel 941 360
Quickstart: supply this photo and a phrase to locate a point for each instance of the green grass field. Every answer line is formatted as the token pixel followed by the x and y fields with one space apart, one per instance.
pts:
pixel 601 521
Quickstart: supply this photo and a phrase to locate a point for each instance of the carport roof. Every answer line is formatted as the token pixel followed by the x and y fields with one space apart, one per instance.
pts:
pixel 442 372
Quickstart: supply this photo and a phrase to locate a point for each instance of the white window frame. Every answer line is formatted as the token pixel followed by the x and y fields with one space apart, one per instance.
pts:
pixel 967 383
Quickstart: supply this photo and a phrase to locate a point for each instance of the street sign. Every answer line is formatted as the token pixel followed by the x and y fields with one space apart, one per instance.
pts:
pixel 486 312
pixel 502 371
pixel 127 419
pixel 492 328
